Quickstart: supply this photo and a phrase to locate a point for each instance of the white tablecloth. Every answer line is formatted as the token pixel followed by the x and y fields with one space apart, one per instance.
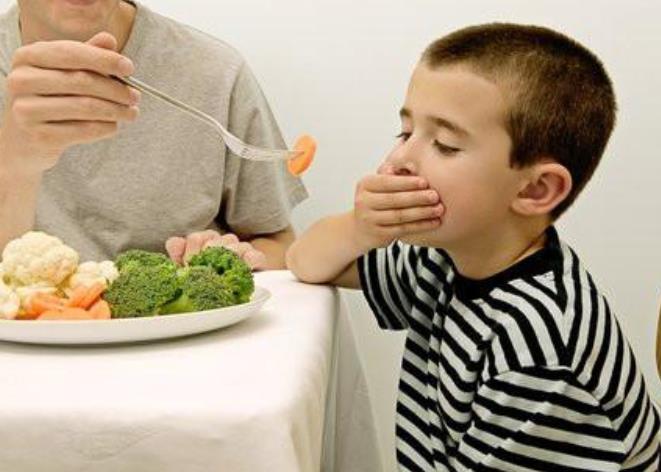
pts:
pixel 281 391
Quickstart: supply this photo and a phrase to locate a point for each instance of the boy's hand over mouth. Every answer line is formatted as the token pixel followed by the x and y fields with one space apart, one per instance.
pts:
pixel 388 206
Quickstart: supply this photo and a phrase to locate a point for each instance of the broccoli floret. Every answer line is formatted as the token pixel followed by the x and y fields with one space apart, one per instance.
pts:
pixel 201 289
pixel 240 281
pixel 236 274
pixel 142 290
pixel 218 258
pixel 150 283
pixel 139 257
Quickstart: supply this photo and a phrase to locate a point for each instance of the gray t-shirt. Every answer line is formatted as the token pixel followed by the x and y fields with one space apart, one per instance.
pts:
pixel 167 173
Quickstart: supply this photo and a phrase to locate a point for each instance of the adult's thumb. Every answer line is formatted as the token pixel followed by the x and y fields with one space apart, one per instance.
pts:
pixel 103 40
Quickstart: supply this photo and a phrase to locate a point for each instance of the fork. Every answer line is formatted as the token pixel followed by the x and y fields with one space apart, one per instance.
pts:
pixel 234 144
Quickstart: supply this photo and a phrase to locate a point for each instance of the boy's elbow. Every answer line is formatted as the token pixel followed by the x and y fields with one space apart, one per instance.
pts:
pixel 293 262
pixel 289 259
pixel 302 265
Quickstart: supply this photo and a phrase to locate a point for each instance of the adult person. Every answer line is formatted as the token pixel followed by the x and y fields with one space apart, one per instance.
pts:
pixel 85 158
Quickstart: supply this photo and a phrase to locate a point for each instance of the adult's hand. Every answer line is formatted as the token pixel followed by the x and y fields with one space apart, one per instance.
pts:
pixel 181 249
pixel 60 93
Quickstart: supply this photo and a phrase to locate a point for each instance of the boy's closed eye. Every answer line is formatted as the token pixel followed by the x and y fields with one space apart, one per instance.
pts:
pixel 442 148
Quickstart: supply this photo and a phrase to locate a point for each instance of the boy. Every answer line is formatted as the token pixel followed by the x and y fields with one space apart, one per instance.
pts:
pixel 513 359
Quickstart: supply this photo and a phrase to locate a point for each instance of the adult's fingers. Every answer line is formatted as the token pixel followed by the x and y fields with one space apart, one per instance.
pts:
pixel 218 240
pixel 255 259
pixel 246 251
pixel 47 82
pixel 240 248
pixel 182 249
pixel 103 40
pixel 37 109
pixel 61 134
pixel 175 248
pixel 195 242
pixel 73 55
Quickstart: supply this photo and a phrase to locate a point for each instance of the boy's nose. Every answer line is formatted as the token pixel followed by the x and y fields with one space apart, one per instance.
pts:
pixel 403 162
pixel 406 168
pixel 402 159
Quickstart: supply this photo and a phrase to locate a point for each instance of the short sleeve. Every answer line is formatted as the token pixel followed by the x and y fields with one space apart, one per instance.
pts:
pixel 258 197
pixel 388 280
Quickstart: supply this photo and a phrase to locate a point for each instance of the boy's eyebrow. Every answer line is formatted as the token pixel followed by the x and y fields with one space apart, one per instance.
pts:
pixel 438 121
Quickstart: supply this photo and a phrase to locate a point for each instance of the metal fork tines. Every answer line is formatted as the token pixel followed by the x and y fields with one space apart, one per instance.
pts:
pixel 234 144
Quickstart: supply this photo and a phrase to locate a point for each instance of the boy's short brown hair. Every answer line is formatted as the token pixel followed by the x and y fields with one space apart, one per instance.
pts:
pixel 561 100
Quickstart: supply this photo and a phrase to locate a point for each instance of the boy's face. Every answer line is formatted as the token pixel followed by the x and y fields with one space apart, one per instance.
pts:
pixel 453 135
pixel 68 19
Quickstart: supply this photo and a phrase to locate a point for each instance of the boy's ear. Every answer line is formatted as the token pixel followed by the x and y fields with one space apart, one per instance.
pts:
pixel 545 185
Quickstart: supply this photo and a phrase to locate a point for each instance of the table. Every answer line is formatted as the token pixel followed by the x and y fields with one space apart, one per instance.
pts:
pixel 281 391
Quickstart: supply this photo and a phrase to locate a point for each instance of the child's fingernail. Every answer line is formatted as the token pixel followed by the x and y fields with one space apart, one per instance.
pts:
pixel 432 196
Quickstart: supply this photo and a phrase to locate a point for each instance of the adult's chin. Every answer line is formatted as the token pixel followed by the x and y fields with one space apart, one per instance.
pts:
pixel 81 19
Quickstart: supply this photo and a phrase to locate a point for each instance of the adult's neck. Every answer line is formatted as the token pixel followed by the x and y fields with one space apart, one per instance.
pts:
pixel 119 23
pixel 488 255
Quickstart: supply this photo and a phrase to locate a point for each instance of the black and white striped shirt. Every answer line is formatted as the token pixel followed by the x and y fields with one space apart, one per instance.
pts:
pixel 526 370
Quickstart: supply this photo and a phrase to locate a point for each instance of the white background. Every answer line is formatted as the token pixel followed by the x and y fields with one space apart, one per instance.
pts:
pixel 338 69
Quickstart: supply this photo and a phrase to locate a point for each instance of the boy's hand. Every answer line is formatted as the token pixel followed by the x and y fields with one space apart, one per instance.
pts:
pixel 389 207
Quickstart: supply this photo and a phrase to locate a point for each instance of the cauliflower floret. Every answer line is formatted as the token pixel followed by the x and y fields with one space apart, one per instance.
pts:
pixel 89 273
pixel 10 302
pixel 38 258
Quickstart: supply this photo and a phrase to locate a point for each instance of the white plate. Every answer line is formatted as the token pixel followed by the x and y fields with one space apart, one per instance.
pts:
pixel 123 330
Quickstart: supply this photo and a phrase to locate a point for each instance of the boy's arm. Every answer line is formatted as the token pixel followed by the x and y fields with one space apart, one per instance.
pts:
pixel 327 253
pixel 386 207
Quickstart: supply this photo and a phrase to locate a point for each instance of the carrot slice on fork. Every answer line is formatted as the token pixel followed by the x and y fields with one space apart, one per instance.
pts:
pixel 300 164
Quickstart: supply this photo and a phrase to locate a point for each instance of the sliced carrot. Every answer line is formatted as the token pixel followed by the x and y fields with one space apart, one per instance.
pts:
pixel 66 313
pixel 50 315
pixel 94 294
pixel 308 147
pixel 84 296
pixel 77 295
pixel 41 302
pixel 100 310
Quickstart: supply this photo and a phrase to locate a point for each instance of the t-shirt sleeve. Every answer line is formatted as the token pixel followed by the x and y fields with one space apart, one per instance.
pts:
pixel 387 278
pixel 258 197
pixel 541 419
